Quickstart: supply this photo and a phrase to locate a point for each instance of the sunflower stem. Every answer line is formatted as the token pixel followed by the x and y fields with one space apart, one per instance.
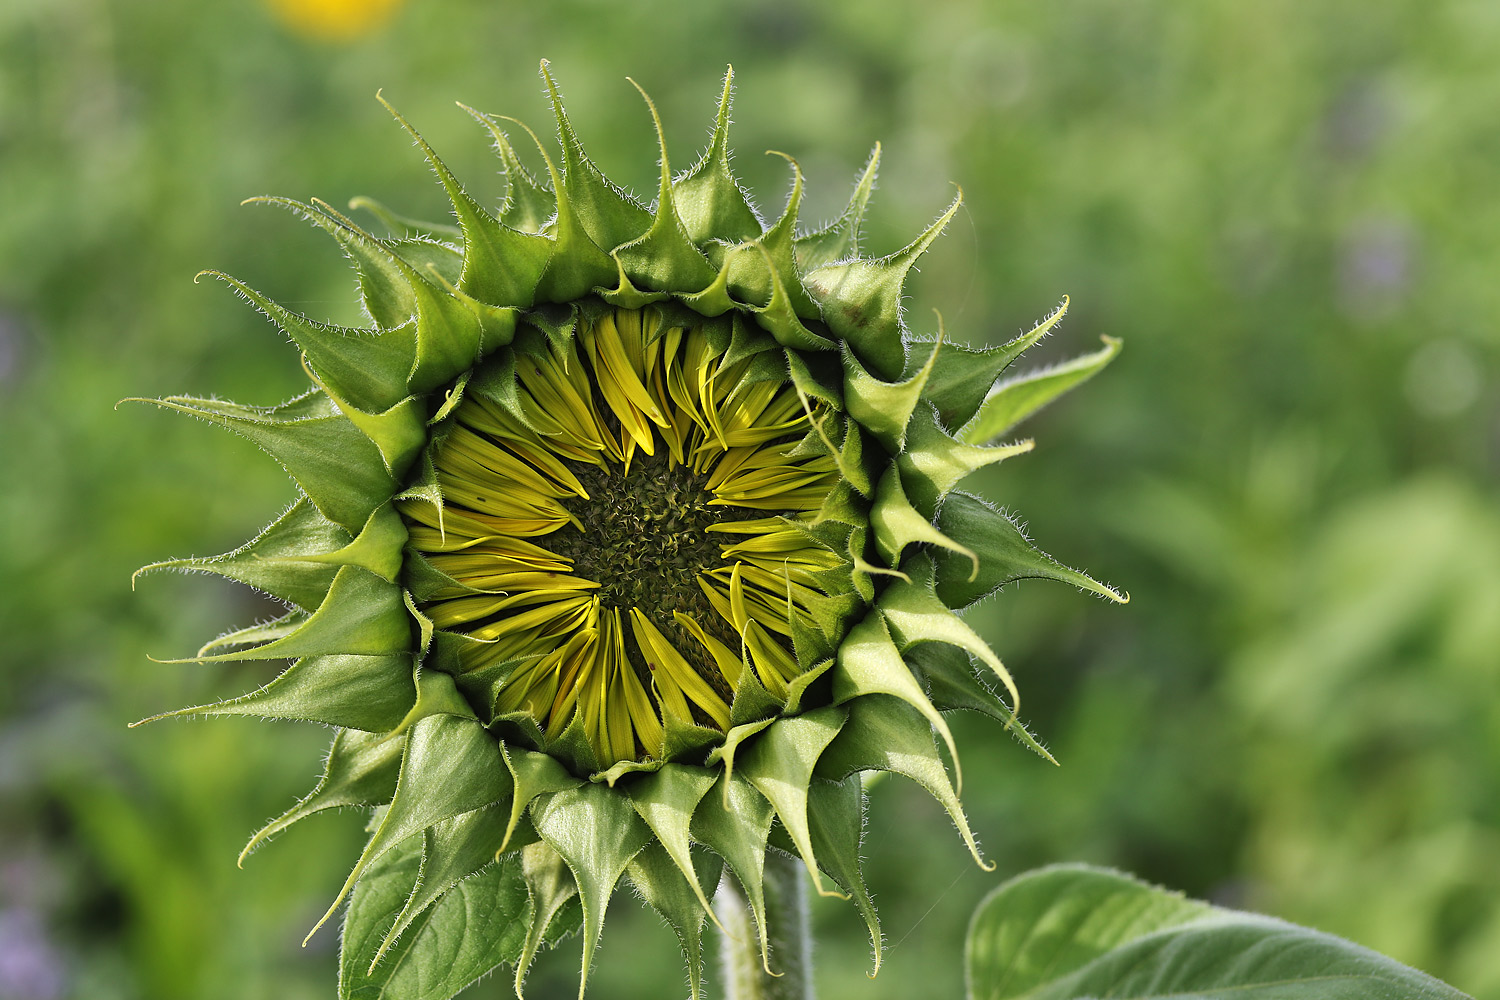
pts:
pixel 788 934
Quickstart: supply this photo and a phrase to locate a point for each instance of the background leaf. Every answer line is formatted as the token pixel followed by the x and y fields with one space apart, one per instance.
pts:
pixel 1072 932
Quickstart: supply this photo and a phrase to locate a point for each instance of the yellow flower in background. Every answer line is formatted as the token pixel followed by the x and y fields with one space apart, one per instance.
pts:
pixel 333 20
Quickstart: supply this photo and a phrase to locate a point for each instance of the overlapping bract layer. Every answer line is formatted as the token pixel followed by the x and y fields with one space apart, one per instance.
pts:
pixel 517 824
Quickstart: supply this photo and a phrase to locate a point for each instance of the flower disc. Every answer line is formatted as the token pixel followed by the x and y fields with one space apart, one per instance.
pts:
pixel 629 535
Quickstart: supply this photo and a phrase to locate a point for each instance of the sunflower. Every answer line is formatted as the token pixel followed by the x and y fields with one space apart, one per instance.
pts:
pixel 627 541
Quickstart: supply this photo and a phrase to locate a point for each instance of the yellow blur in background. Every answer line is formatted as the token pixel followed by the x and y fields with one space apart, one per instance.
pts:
pixel 334 20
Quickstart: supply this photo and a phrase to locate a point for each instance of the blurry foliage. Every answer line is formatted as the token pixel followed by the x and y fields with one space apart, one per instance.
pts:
pixel 1286 210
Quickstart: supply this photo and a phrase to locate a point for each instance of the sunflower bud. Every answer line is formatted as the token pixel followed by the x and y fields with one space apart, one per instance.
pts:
pixel 628 539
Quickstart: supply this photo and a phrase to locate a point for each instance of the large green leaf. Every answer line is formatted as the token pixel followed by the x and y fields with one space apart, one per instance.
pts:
pixel 479 924
pixel 1072 932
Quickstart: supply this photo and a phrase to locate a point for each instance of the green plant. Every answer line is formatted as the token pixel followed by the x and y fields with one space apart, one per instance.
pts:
pixel 628 540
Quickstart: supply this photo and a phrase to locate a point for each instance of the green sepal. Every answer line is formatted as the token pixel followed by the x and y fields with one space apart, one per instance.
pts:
pixel 425 581
pixel 251 635
pixel 884 408
pixel 897 524
pixel 495 380
pixel 450 334
pixel 361 614
pixel 385 291
pixel 734 822
pixel 425 256
pixel 369 693
pixel 577 265
pixel 884 733
pixel 840 238
pixel 1004 554
pixel 532 775
pixel 752 703
pixel 870 663
pixel 399 432
pixel 916 615
pixel 934 461
pixel 738 336
pixel 500 265
pixel 552 889
pixel 727 751
pixel 656 876
pixel 361 770
pixel 687 742
pixel 779 314
pixel 621 768
pixel 666 800
pixel 664 258
pixel 963 376
pixel 809 687
pixel 423 487
pixel 861 570
pixel 452 851
pixel 450 766
pixel 276 560
pixel 953 683
pixel 404 226
pixel 755 282
pixel 377 547
pixel 597 832
pixel 780 765
pixel 528 206
pixel 1017 399
pixel 810 642
pixel 437 694
pixel 574 748
pixel 518 729
pixel 709 200
pixel 836 822
pixel 609 216
pixel 861 300
pixel 479 924
pixel 815 376
pixel 425 628
pixel 339 469
pixel 367 367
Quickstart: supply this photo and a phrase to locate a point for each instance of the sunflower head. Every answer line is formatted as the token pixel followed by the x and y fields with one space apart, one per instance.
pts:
pixel 628 539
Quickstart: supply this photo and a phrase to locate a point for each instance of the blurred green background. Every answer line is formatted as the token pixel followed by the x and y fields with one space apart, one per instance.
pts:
pixel 1287 209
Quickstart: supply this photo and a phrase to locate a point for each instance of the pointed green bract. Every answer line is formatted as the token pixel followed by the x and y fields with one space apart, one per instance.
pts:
pixel 710 201
pixel 1014 401
pixel 1002 554
pixel 369 693
pixel 679 899
pixel 277 560
pixel 526 733
pixel 840 238
pixel 317 445
pixel 963 376
pixel 734 821
pixel 361 770
pixel 597 833
pixel 836 826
